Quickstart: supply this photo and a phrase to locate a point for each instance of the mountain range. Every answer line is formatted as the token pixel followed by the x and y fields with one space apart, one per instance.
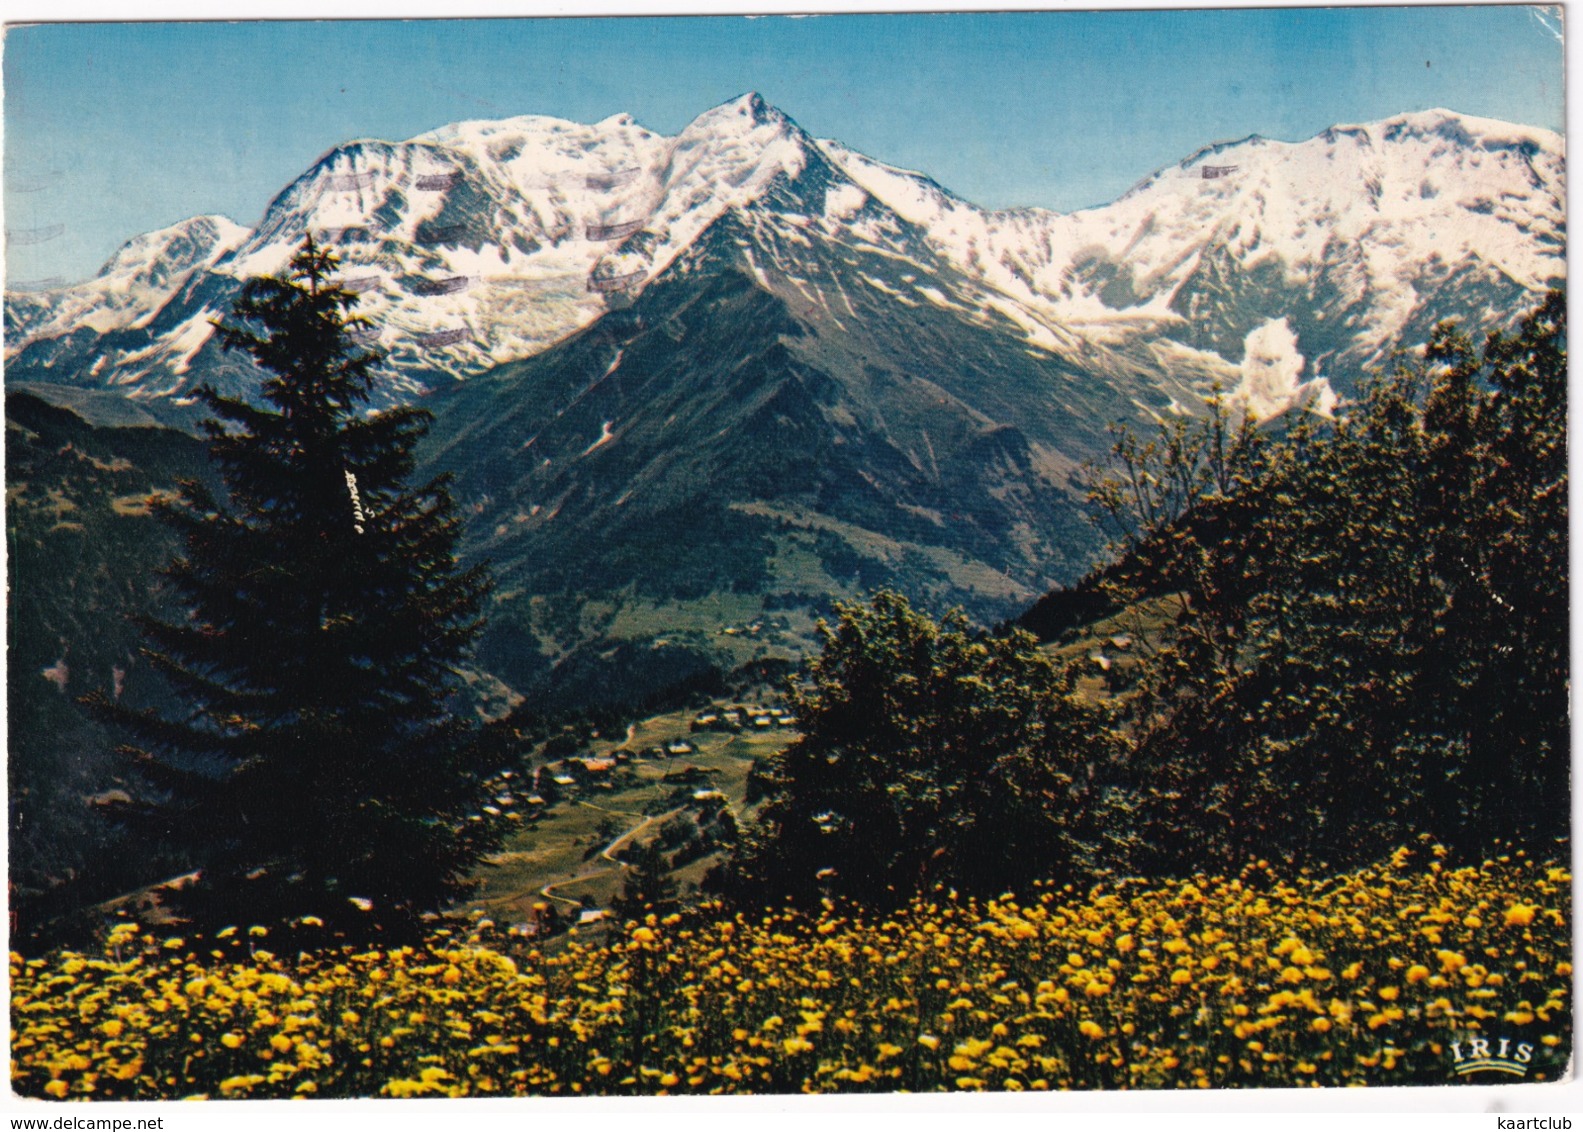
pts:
pixel 693 387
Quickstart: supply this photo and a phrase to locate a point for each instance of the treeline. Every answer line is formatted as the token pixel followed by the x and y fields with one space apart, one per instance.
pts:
pixel 1353 633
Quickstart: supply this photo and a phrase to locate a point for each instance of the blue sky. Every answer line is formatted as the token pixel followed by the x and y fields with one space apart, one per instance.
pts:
pixel 116 129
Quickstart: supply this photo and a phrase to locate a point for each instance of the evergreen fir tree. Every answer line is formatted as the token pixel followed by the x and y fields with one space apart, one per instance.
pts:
pixel 322 768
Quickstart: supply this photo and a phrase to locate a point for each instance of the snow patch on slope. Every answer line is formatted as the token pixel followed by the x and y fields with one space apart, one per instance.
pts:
pixel 1271 367
pixel 842 202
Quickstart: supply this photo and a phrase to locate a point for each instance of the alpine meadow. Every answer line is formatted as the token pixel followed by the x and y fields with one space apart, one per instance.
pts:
pixel 573 609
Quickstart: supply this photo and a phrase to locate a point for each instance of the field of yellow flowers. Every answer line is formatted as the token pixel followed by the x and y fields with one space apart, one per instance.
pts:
pixel 1367 978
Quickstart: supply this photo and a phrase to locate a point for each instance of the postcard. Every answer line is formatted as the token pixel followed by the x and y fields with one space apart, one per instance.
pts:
pixel 1016 553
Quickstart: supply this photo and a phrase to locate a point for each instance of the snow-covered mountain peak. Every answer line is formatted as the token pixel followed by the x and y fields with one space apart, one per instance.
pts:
pixel 487 129
pixel 744 112
pixel 746 133
pixel 725 159
pixel 141 277
pixel 506 138
pixel 155 258
pixel 1460 129
pixel 485 241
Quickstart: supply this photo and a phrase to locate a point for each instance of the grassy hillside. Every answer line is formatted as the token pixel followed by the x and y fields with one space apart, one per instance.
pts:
pixel 566 850
pixel 83 548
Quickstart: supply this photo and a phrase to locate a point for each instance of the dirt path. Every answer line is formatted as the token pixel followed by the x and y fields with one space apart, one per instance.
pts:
pixel 608 853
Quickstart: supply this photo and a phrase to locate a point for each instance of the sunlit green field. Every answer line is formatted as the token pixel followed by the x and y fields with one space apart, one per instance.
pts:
pixel 562 849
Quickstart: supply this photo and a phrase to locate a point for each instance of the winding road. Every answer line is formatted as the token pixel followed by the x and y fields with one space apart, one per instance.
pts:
pixel 608 853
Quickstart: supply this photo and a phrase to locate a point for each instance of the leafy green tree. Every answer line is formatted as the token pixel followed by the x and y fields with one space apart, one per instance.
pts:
pixel 930 755
pixel 1363 622
pixel 321 766
pixel 1497 424
pixel 648 886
